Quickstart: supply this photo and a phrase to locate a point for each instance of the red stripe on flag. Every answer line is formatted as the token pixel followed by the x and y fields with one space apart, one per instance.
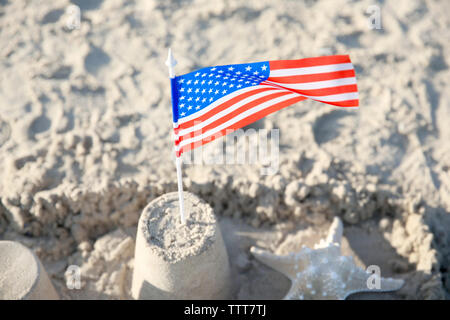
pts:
pixel 308 62
pixel 345 103
pixel 314 77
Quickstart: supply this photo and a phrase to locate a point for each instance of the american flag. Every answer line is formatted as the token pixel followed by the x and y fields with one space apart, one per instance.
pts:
pixel 214 101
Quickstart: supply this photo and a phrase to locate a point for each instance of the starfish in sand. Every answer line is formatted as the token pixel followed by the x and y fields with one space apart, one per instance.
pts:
pixel 323 273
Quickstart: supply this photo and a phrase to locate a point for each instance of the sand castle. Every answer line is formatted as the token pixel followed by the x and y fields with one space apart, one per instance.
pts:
pixel 22 276
pixel 175 260
pixel 180 261
pixel 84 137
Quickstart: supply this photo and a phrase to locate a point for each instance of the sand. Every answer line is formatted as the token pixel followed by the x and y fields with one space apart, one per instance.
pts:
pixel 173 240
pixel 85 136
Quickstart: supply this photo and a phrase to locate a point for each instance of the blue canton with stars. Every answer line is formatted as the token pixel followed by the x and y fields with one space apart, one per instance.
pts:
pixel 196 90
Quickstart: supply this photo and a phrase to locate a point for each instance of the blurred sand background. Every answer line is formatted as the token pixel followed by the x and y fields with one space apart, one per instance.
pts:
pixel 86 143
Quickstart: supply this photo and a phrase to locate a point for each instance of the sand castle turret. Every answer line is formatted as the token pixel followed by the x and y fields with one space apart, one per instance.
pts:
pixel 180 261
pixel 22 276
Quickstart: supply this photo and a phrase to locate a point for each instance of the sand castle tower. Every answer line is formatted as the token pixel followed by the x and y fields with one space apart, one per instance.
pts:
pixel 180 261
pixel 22 275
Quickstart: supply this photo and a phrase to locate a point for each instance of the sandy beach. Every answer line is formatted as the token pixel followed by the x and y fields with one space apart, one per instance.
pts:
pixel 86 137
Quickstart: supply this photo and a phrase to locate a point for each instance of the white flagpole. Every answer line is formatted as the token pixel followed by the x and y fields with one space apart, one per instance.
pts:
pixel 180 190
pixel 170 63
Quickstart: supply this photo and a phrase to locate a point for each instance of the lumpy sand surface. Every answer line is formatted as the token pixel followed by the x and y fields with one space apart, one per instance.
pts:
pixel 172 239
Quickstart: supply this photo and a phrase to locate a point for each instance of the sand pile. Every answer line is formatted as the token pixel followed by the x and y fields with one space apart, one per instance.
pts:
pixel 85 136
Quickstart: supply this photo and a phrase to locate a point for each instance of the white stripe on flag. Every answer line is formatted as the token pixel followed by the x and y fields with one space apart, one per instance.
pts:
pixel 311 70
pixel 334 97
pixel 316 84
